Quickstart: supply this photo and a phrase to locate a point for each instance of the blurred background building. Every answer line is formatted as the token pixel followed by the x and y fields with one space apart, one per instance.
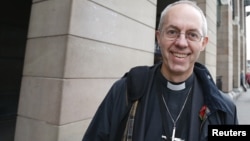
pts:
pixel 59 58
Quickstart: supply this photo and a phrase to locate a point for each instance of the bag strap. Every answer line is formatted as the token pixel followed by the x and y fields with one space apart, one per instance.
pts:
pixel 139 77
pixel 128 132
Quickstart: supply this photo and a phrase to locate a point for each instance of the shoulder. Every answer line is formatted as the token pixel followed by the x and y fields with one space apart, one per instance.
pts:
pixel 231 117
pixel 139 79
pixel 134 82
pixel 228 100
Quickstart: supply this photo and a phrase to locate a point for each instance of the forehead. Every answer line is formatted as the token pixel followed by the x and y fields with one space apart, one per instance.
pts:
pixel 183 16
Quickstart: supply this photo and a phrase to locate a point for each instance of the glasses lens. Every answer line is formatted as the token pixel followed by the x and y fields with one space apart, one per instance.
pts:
pixel 193 36
pixel 173 34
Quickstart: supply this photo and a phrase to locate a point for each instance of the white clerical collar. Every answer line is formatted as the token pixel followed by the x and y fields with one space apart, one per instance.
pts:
pixel 176 87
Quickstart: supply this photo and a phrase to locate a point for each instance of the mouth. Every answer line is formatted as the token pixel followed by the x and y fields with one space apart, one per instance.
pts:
pixel 180 55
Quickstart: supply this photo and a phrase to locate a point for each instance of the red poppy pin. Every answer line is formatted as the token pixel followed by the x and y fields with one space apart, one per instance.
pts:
pixel 203 112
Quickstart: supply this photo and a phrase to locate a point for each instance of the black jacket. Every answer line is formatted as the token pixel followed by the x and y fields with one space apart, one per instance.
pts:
pixel 110 119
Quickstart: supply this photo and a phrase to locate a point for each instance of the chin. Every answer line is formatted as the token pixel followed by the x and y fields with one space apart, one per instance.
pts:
pixel 179 69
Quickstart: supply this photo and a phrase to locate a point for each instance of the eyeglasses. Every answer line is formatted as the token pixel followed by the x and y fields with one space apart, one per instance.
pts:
pixel 173 34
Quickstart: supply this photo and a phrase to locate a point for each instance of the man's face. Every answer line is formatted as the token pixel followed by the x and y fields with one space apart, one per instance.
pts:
pixel 179 54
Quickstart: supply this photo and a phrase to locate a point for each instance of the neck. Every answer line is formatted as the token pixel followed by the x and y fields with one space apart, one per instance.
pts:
pixel 175 77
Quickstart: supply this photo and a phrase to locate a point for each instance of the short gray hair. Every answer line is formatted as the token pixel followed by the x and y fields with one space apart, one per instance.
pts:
pixel 191 3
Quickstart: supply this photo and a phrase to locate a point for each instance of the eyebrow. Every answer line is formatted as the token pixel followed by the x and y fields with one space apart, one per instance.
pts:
pixel 172 26
pixel 175 27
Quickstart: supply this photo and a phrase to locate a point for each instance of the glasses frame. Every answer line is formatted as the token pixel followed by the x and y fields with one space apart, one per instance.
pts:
pixel 175 37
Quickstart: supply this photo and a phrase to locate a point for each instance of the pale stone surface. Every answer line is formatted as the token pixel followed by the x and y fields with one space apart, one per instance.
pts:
pixel 211 58
pixel 90 20
pixel 61 101
pixel 72 131
pixel 50 17
pixel 136 10
pixel 210 50
pixel 74 57
pixel 45 57
pixel 224 52
pixel 212 42
pixel 88 58
pixel 221 59
pixel 153 1
pixel 236 58
pixel 40 99
pixel 81 98
pixel 35 130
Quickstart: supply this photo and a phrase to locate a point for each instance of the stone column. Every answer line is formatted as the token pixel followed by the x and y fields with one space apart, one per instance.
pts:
pixel 243 36
pixel 225 48
pixel 76 49
pixel 236 56
pixel 208 56
pixel 236 45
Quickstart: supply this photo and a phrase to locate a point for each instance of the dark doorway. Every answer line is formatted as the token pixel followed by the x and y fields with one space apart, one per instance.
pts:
pixel 14 22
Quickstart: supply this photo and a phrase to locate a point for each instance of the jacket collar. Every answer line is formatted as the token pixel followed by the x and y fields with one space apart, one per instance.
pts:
pixel 212 95
pixel 140 79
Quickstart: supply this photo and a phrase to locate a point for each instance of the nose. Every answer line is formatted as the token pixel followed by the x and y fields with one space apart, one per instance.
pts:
pixel 181 40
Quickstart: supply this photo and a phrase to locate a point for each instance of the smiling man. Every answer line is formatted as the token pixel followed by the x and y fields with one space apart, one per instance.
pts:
pixel 174 100
pixel 182 35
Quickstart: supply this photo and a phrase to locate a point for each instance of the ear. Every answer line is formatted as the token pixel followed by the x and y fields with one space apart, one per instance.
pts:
pixel 157 34
pixel 204 43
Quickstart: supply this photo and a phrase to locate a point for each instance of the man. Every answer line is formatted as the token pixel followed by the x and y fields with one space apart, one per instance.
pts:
pixel 174 100
pixel 247 78
pixel 242 81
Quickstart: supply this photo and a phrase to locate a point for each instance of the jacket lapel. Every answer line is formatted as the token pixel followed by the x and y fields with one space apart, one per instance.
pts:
pixel 197 103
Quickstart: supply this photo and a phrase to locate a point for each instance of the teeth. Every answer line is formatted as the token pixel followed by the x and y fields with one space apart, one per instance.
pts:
pixel 179 55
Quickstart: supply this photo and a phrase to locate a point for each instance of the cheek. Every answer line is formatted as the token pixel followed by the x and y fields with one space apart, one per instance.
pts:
pixel 164 48
pixel 164 45
pixel 200 48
